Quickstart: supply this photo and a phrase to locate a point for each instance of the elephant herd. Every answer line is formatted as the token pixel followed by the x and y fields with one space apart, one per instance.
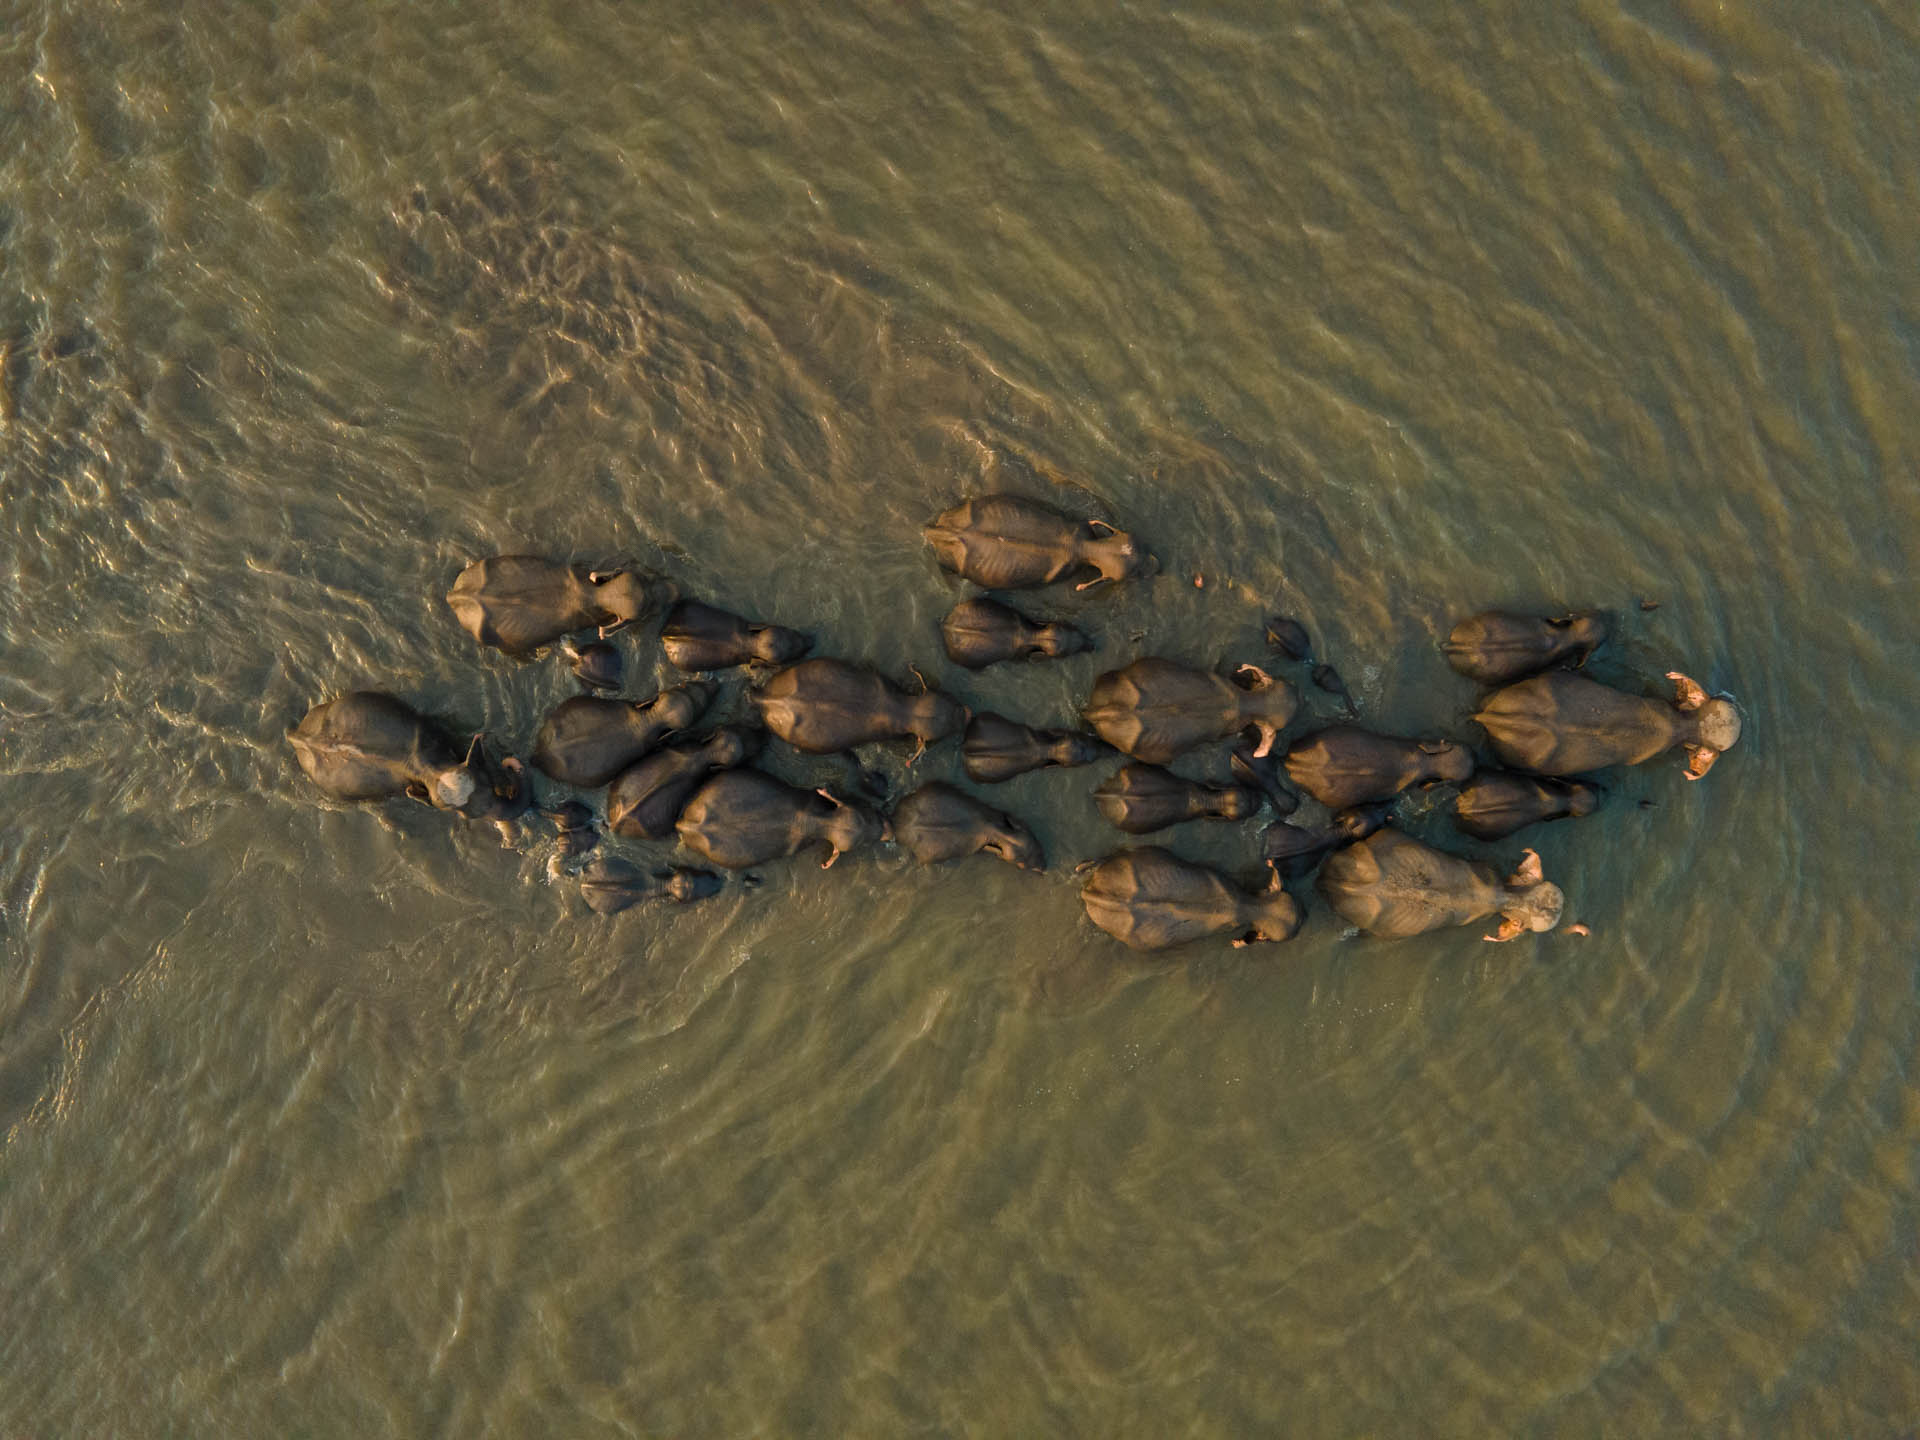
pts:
pixel 665 778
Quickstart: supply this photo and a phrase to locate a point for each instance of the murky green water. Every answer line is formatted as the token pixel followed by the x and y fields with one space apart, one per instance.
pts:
pixel 340 1121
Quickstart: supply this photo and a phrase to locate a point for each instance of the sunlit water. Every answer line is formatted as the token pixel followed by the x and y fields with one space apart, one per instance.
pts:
pixel 344 1121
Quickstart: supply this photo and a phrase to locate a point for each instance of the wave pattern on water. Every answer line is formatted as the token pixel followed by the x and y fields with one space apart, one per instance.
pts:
pixel 343 1120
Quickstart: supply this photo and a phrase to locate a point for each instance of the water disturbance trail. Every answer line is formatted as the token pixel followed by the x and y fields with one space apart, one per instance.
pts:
pixel 342 1120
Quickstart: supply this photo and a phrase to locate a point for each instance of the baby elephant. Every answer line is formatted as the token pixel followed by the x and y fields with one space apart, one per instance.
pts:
pixel 1296 849
pixel 1393 886
pixel 586 741
pixel 1152 900
pixel 937 822
pixel 1007 542
pixel 982 632
pixel 823 706
pixel 1496 647
pixel 744 817
pixel 1565 724
pixel 1345 765
pixel 1492 806
pixel 1262 773
pixel 610 886
pixel 1154 709
pixel 646 801
pixel 596 665
pixel 699 637
pixel 521 602
pixel 366 746
pixel 1138 798
pixel 995 748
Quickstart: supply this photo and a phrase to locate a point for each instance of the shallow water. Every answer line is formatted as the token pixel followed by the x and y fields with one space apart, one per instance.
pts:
pixel 341 1120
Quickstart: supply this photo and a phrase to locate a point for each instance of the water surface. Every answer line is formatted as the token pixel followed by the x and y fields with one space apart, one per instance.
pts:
pixel 340 1120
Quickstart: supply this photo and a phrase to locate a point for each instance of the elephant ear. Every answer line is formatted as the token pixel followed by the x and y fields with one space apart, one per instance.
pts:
pixel 1264 779
pixel 1252 677
pixel 1689 695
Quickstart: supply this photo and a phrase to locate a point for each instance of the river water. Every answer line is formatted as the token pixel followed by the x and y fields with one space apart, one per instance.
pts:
pixel 343 1120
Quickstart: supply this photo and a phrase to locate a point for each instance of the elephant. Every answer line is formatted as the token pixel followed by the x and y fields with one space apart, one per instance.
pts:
pixel 743 817
pixel 995 748
pixel 1008 542
pixel 937 822
pixel 1155 708
pixel 574 828
pixel 646 799
pixel 610 885
pixel 1565 724
pixel 1296 849
pixel 700 637
pixel 1328 679
pixel 823 706
pixel 1138 798
pixel 1288 637
pixel 1262 772
pixel 1345 765
pixel 1393 886
pixel 586 741
pixel 519 603
pixel 366 745
pixel 596 665
pixel 1495 647
pixel 982 632
pixel 1492 805
pixel 1152 900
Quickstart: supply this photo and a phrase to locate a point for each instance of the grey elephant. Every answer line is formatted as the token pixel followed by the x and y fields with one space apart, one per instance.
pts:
pixel 519 603
pixel 823 706
pixel 701 637
pixel 366 745
pixel 1008 542
pixel 1155 708
pixel 995 748
pixel 1345 765
pixel 610 885
pixel 1565 724
pixel 1393 886
pixel 647 797
pixel 587 740
pixel 1296 849
pixel 744 817
pixel 1153 900
pixel 982 632
pixel 1138 798
pixel 938 823
pixel 1493 804
pixel 1495 647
